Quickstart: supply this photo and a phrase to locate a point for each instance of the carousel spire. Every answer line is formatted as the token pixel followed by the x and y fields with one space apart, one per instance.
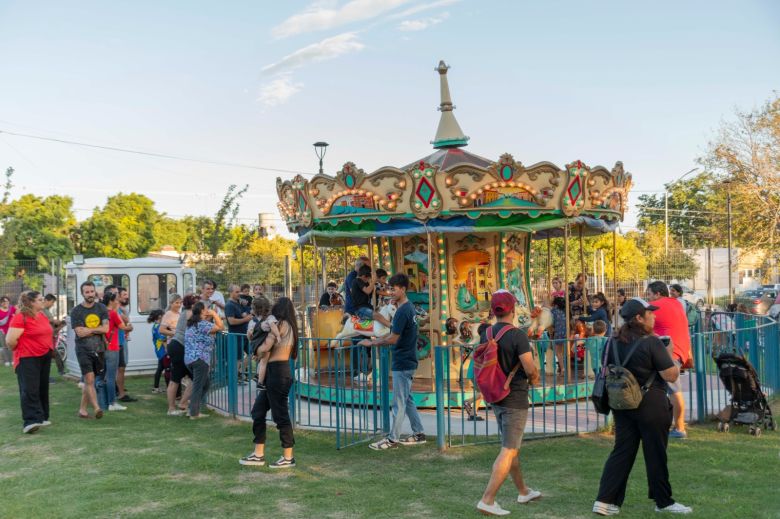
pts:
pixel 448 134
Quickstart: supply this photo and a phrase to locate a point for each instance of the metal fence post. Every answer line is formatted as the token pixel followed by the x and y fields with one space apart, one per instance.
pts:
pixel 384 388
pixel 701 378
pixel 439 352
pixel 291 396
pixel 232 374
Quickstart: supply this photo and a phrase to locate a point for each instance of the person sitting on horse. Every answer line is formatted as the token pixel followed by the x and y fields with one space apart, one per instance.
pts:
pixel 362 289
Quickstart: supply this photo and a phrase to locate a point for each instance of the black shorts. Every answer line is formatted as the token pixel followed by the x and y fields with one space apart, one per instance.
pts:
pixel 178 368
pixel 89 361
pixel 242 347
pixel 122 355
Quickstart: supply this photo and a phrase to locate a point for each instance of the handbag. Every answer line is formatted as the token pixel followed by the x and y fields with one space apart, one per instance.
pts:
pixel 599 396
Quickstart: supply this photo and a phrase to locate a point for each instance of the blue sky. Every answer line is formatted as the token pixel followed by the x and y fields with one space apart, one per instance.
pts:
pixel 258 82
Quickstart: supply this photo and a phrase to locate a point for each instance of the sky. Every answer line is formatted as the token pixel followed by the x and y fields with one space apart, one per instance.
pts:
pixel 256 83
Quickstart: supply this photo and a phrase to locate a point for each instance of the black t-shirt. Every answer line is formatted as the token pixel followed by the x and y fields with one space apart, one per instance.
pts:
pixel 93 317
pixel 235 310
pixel 325 299
pixel 359 298
pixel 650 356
pixel 513 344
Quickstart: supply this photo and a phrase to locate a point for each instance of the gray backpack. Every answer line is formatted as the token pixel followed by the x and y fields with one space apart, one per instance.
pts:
pixel 624 391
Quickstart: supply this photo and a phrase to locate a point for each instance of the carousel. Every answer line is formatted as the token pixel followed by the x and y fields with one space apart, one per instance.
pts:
pixel 459 225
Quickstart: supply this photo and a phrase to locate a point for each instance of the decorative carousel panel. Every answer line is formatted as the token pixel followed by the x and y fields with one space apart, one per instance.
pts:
pixel 293 202
pixel 353 193
pixel 426 202
pixel 573 201
pixel 608 190
pixel 471 275
pixel 515 270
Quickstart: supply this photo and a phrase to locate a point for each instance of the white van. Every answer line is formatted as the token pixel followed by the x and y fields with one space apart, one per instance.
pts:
pixel 150 282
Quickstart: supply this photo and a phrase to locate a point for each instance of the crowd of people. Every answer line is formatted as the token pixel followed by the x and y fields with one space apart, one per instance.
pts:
pixel 652 339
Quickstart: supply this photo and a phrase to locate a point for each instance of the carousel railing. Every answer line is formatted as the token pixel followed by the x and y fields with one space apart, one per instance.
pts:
pixel 345 388
pixel 559 403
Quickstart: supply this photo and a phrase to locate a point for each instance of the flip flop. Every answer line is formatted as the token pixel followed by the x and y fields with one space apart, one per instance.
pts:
pixel 84 416
pixel 99 414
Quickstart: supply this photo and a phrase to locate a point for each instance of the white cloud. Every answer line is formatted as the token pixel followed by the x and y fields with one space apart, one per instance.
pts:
pixel 278 91
pixel 321 16
pixel 424 7
pixel 326 49
pixel 421 24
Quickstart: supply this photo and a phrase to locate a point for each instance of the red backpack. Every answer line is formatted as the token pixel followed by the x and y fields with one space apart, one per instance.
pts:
pixel 491 380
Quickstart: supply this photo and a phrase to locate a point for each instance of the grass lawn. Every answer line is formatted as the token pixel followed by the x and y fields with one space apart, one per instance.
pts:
pixel 140 463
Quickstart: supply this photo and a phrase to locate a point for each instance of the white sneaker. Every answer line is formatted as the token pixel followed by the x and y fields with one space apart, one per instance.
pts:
pixel 7 364
pixel 530 496
pixel 45 423
pixel 494 509
pixel 176 412
pixel 676 508
pixel 116 407
pixel 81 385
pixel 605 508
pixel 33 427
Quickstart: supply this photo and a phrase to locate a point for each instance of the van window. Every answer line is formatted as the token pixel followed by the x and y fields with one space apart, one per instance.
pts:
pixel 153 291
pixel 101 281
pixel 189 283
pixel 70 291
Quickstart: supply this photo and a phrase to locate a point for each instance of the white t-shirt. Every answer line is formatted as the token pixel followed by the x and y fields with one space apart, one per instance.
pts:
pixel 217 297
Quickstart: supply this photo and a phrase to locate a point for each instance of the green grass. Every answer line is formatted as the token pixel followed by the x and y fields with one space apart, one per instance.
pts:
pixel 141 463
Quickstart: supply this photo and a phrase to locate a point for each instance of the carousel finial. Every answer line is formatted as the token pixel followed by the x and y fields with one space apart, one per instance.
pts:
pixel 448 134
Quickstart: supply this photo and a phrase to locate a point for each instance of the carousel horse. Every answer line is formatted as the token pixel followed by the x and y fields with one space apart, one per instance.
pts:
pixel 354 327
pixel 541 319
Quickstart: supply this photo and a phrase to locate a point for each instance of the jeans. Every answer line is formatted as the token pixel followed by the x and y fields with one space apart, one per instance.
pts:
pixel 200 385
pixel 276 398
pixel 32 373
pixel 360 358
pixel 105 385
pixel 403 404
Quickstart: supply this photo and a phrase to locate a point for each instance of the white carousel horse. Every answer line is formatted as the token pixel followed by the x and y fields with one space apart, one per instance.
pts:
pixel 368 328
pixel 541 319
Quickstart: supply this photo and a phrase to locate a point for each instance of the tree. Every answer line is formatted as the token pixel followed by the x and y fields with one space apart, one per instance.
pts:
pixel 224 219
pixel 170 232
pixel 8 185
pixel 123 228
pixel 746 152
pixel 675 266
pixel 36 228
pixel 696 212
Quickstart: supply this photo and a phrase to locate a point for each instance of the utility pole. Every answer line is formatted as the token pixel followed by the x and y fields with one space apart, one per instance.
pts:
pixel 666 210
pixel 728 223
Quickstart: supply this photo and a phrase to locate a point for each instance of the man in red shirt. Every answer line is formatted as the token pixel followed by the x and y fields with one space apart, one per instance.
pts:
pixel 671 321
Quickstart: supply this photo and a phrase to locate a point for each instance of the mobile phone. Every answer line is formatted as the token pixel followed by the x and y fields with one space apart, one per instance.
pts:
pixel 665 339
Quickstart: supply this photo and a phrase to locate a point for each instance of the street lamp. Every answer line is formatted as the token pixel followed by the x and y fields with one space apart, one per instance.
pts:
pixel 727 183
pixel 666 209
pixel 320 148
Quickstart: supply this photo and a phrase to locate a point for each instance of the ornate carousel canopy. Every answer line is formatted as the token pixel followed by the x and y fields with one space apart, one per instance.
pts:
pixel 453 190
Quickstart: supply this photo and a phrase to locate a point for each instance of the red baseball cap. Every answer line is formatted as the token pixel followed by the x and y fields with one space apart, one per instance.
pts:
pixel 502 301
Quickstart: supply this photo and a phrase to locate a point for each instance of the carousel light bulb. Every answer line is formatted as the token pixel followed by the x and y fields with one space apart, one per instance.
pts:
pixel 402 184
pixel 479 191
pixel 441 262
pixel 463 201
pixel 473 196
pixel 448 181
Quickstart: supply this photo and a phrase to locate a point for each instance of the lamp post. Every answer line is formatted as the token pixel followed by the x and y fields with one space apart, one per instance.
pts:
pixel 666 209
pixel 727 183
pixel 320 148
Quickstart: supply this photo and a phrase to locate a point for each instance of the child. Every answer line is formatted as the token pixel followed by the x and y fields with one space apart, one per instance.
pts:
pixel 559 330
pixel 579 332
pixel 381 291
pixel 158 340
pixel 261 308
pixel 594 345
pixel 599 307
pixel 471 405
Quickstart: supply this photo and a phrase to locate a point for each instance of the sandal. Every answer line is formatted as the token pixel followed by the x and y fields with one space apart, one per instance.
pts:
pixel 84 416
pixel 99 414
pixel 469 409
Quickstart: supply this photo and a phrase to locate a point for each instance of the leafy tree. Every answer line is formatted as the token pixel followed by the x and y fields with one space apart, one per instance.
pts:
pixel 746 152
pixel 123 228
pixel 224 220
pixel 36 228
pixel 8 185
pixel 696 212
pixel 675 266
pixel 170 232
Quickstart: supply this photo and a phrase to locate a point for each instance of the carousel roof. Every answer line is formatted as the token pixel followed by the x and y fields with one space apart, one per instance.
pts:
pixel 452 190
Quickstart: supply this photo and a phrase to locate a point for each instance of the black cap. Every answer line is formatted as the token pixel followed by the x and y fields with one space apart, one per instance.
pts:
pixel 635 306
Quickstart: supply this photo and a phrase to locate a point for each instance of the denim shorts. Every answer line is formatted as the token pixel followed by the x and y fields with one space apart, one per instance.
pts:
pixel 364 313
pixel 675 387
pixel 511 425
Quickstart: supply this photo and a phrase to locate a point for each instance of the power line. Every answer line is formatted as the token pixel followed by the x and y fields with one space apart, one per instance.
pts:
pixel 158 155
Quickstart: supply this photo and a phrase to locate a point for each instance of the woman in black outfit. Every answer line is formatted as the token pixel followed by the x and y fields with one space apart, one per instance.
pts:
pixel 278 381
pixel 651 361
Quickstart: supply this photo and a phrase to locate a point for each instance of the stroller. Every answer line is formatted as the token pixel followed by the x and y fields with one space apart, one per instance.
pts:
pixel 748 404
